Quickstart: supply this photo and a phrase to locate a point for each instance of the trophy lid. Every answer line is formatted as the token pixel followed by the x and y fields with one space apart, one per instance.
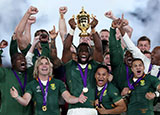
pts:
pixel 82 13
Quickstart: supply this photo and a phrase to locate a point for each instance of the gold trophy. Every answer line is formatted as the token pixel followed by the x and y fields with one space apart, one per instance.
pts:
pixel 83 22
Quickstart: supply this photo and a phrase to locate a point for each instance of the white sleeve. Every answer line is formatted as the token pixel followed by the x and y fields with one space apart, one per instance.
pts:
pixel 136 52
pixel 29 57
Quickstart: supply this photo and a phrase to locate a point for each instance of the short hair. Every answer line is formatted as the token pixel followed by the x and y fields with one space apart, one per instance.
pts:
pixel 84 44
pixel 106 53
pixel 102 66
pixel 14 58
pixel 37 63
pixel 137 59
pixel 41 30
pixel 144 38
pixel 104 30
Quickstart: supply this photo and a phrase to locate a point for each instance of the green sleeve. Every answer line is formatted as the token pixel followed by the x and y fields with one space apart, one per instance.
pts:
pixel 2 74
pixel 155 81
pixel 13 47
pixel 28 88
pixel 1 51
pixel 24 51
pixel 45 49
pixel 116 51
pixel 62 87
pixel 114 93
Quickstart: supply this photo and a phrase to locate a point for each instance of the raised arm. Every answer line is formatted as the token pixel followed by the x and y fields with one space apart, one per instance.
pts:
pixel 66 56
pixel 62 23
pixel 98 51
pixel 55 60
pixel 22 27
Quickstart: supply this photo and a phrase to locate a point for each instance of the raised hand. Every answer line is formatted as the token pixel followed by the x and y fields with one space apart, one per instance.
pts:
pixel 53 33
pixel 94 23
pixel 3 44
pixel 125 91
pixel 72 23
pixel 110 15
pixel 32 10
pixel 31 20
pixel 82 98
pixel 13 92
pixel 63 10
pixel 101 109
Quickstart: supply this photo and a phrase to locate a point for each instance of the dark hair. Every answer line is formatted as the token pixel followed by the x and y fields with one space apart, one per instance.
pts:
pixel 144 38
pixel 104 30
pixel 106 53
pixel 84 44
pixel 137 59
pixel 14 57
pixel 102 66
pixel 41 30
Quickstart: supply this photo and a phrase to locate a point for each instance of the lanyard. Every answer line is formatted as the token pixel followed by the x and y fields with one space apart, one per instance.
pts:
pixel 19 81
pixel 84 77
pixel 45 93
pixel 132 86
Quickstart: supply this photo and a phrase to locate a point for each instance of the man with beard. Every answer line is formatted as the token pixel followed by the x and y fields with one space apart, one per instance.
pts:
pixel 18 76
pixel 80 74
pixel 120 59
pixel 138 88
pixel 109 100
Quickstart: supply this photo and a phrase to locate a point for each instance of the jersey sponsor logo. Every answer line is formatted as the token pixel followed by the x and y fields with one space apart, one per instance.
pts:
pixel 53 87
pixel 142 82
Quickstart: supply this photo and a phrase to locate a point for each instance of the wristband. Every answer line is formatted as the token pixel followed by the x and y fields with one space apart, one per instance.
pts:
pixel 71 32
pixel 157 94
pixel 17 97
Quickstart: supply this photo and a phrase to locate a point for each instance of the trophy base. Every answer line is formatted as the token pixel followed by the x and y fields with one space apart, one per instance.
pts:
pixel 84 34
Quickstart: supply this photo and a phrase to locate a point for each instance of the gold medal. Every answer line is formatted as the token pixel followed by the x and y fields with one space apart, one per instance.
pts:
pixel 44 108
pixel 85 89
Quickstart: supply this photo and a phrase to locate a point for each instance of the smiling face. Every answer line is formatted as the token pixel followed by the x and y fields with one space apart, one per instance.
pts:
pixel 137 68
pixel 83 53
pixel 44 67
pixel 155 56
pixel 128 58
pixel 19 62
pixel 101 76
pixel 144 45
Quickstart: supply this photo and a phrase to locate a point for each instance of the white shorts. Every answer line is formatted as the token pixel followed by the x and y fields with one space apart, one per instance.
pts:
pixel 82 111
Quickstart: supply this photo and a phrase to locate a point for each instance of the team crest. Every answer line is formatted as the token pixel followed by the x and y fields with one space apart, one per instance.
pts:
pixel 142 82
pixel 105 92
pixel 89 66
pixel 53 87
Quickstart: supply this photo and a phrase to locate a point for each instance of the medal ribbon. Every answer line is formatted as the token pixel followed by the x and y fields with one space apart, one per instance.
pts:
pixel 45 93
pixel 84 77
pixel 150 68
pixel 101 95
pixel 38 52
pixel 128 77
pixel 20 83
pixel 131 86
